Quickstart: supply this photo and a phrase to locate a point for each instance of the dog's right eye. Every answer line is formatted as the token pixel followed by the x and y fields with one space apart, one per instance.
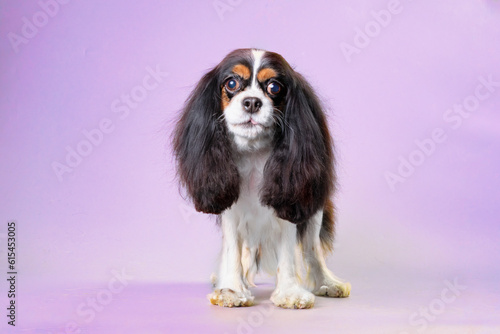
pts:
pixel 232 85
pixel 273 88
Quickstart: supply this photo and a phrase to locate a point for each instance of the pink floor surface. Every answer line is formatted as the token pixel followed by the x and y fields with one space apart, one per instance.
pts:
pixel 394 306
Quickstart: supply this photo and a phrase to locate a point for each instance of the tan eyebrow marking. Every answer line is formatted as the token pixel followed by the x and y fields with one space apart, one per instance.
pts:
pixel 224 99
pixel 265 74
pixel 242 71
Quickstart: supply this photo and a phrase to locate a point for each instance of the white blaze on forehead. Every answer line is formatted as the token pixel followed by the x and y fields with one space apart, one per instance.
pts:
pixel 257 60
pixel 252 131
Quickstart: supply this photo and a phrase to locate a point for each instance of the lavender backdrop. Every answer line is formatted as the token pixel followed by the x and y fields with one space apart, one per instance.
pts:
pixel 89 92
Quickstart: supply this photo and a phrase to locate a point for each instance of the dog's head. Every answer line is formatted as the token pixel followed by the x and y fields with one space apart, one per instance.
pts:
pixel 253 100
pixel 253 86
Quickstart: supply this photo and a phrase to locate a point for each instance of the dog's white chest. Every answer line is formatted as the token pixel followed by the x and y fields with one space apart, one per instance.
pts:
pixel 255 220
pixel 251 168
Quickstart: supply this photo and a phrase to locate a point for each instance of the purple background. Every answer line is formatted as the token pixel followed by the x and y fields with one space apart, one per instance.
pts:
pixel 120 207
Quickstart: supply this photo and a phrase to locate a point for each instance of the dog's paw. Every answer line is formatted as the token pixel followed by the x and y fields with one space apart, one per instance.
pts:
pixel 295 297
pixel 230 298
pixel 331 289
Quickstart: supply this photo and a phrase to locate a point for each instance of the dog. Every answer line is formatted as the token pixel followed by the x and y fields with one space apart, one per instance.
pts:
pixel 252 146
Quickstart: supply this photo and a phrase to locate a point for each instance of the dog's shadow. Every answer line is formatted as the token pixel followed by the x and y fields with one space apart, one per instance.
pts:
pixel 262 292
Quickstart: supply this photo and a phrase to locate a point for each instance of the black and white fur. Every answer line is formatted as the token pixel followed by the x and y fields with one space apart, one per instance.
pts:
pixel 253 147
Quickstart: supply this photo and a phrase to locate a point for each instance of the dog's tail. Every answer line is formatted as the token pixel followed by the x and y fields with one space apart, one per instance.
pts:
pixel 327 232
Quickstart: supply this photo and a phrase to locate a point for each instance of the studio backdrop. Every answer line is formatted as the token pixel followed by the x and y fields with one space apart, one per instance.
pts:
pixel 90 92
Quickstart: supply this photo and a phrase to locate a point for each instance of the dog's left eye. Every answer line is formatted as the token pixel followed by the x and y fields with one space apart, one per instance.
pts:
pixel 232 85
pixel 273 88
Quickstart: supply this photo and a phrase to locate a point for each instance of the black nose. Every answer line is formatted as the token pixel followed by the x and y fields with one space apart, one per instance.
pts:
pixel 252 104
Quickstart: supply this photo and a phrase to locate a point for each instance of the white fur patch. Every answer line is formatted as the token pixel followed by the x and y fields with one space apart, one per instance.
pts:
pixel 293 297
pixel 257 56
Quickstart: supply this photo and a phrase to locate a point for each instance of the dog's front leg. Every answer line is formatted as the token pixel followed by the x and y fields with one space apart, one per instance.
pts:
pixel 289 293
pixel 230 289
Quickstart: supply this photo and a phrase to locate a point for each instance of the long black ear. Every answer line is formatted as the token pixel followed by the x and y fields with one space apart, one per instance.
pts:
pixel 205 165
pixel 299 175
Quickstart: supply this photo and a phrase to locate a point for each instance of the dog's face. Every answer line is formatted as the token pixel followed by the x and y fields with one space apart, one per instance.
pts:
pixel 253 91
pixel 254 100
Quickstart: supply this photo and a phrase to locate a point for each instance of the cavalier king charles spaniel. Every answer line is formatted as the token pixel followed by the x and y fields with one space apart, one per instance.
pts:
pixel 252 146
